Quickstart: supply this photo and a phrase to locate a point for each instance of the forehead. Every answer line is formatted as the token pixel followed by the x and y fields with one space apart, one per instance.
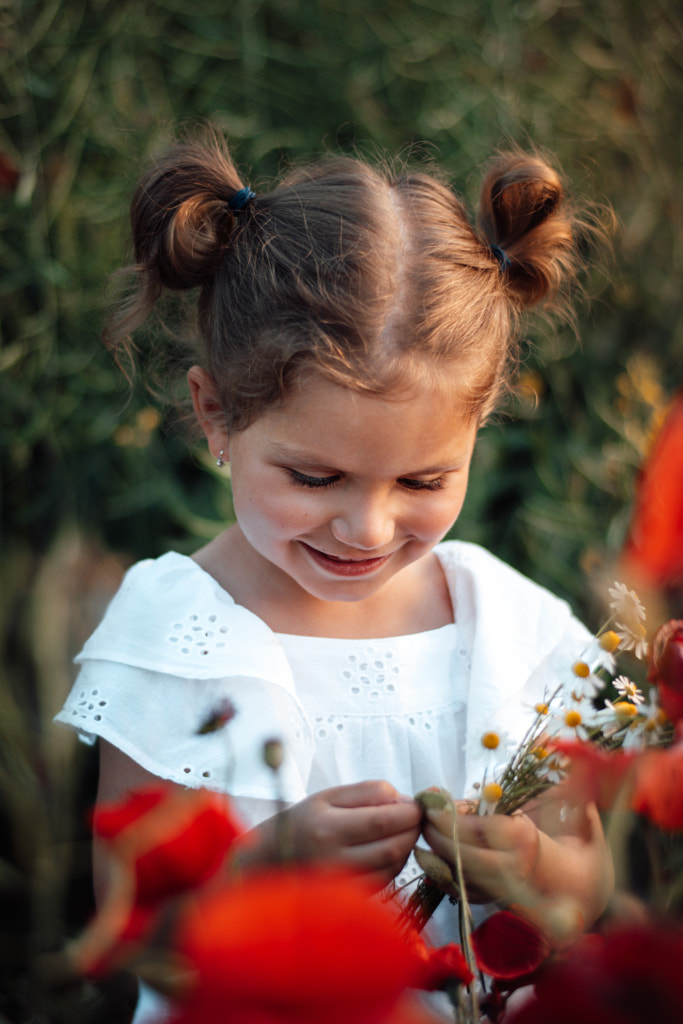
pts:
pixel 417 428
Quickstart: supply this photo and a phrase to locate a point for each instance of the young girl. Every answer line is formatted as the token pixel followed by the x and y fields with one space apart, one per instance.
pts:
pixel 355 331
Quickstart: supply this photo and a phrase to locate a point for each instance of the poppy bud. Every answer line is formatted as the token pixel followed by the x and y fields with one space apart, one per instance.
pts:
pixel 273 753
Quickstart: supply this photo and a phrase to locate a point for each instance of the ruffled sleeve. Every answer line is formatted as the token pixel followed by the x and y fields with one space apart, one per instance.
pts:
pixel 174 650
pixel 522 641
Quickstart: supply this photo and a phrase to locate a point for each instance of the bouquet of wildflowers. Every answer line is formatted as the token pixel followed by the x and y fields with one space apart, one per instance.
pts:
pixel 612 742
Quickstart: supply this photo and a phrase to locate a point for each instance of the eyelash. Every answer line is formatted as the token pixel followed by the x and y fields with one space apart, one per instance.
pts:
pixel 303 480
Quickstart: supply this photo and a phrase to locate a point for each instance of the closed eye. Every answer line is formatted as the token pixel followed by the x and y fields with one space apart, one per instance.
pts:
pixel 304 480
pixel 422 485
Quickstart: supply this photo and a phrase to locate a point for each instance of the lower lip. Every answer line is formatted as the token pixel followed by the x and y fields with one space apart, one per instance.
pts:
pixel 346 568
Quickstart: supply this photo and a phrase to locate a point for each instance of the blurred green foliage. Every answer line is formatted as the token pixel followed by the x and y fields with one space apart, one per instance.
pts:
pixel 89 88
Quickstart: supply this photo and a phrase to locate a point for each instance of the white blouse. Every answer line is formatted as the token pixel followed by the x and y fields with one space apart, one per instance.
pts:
pixel 410 709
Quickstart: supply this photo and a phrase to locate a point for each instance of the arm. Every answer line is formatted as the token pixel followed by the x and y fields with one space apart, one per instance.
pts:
pixel 369 826
pixel 554 862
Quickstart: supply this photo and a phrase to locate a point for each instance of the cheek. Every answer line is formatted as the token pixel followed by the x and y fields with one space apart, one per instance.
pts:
pixel 270 509
pixel 439 517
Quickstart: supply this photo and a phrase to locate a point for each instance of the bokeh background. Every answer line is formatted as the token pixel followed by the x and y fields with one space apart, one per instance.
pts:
pixel 94 476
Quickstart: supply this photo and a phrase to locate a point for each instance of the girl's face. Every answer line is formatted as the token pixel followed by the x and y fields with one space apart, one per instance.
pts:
pixel 339 491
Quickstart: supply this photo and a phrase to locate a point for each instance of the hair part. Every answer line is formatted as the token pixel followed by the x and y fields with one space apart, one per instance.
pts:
pixel 370 275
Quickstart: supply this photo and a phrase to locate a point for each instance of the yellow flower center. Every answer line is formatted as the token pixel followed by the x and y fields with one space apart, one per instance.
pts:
pixel 581 669
pixel 540 753
pixel 623 707
pixel 490 740
pixel 492 793
pixel 541 709
pixel 572 719
pixel 609 641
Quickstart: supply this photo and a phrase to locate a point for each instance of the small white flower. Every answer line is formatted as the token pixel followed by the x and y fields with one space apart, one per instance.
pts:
pixel 568 722
pixel 490 795
pixel 555 767
pixel 628 689
pixel 498 745
pixel 632 637
pixel 617 718
pixel 625 603
pixel 585 687
pixel 646 728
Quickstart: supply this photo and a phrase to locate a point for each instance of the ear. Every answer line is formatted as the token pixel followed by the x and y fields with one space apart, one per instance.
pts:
pixel 208 410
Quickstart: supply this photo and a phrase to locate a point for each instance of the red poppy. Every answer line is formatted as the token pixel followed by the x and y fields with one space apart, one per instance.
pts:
pixel 109 820
pixel 304 946
pixel 658 792
pixel 654 548
pixel 666 668
pixel 173 839
pixel 164 841
pixel 595 775
pixel 443 965
pixel 507 945
pixel 625 977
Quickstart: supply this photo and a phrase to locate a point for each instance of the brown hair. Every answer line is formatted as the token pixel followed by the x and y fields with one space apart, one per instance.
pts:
pixel 366 274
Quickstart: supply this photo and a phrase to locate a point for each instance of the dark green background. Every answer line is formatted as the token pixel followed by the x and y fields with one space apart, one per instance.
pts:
pixel 89 89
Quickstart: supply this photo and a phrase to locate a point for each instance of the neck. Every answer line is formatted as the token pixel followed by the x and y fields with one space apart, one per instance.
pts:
pixel 415 600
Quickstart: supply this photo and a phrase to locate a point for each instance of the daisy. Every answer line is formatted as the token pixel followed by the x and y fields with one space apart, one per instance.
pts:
pixel 490 795
pixel 628 690
pixel 647 728
pixel 585 683
pixel 498 744
pixel 568 723
pixel 632 637
pixel 630 617
pixel 625 603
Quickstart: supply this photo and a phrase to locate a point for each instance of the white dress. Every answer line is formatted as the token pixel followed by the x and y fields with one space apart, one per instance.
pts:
pixel 410 709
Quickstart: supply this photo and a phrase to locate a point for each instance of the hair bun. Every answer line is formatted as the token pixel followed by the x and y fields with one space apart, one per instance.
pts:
pixel 524 214
pixel 181 215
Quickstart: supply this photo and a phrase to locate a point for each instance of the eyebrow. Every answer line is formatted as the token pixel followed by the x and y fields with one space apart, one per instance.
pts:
pixel 306 458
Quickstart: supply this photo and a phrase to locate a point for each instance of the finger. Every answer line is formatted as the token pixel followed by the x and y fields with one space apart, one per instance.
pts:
pixel 386 856
pixel 360 825
pixel 369 793
pixel 440 844
pixel 480 866
pixel 491 831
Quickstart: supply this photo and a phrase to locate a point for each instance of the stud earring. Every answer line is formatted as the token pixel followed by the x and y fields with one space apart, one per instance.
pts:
pixel 219 461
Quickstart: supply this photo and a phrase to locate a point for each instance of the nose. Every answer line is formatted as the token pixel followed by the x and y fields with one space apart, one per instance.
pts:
pixel 365 523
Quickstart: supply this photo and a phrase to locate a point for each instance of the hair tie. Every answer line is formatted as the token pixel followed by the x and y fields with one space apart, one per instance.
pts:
pixel 502 257
pixel 240 199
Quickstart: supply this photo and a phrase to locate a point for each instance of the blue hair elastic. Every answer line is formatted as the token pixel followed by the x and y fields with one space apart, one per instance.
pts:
pixel 502 257
pixel 240 199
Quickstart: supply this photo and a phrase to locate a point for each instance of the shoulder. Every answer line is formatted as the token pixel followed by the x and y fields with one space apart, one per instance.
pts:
pixel 490 594
pixel 487 570
pixel 170 615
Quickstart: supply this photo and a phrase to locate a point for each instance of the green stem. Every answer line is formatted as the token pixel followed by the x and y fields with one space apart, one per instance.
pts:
pixel 465 922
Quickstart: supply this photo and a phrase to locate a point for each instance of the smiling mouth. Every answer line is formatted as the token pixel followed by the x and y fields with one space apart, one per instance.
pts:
pixel 345 566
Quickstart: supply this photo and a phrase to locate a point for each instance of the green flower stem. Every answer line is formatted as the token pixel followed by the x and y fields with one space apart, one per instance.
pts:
pixel 471 1011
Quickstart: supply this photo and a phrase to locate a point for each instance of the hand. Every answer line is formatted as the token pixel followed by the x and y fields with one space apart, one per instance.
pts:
pixel 499 853
pixel 368 826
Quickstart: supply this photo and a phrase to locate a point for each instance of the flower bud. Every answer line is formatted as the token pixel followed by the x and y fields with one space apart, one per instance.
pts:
pixel 273 753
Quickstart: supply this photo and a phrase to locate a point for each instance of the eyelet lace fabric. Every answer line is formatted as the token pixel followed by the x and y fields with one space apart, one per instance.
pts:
pixel 389 709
